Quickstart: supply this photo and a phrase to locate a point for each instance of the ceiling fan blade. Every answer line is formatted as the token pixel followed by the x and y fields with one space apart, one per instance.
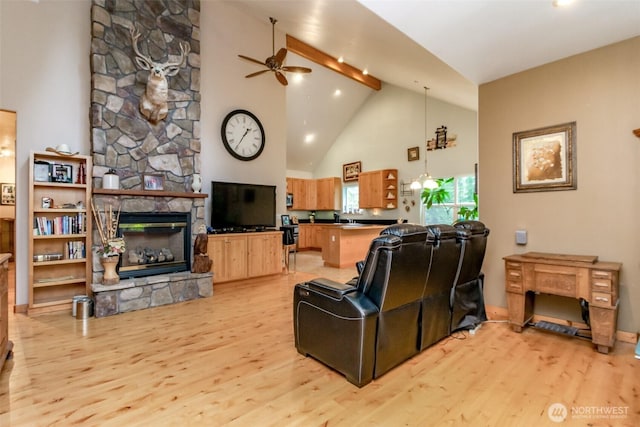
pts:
pixel 252 60
pixel 282 53
pixel 257 73
pixel 281 78
pixel 294 69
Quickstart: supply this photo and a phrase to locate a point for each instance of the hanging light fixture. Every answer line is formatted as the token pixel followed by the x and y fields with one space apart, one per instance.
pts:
pixel 424 180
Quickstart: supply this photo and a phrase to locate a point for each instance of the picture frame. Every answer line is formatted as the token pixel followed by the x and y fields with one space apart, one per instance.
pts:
pixel 8 194
pixel 351 171
pixel 61 173
pixel 413 153
pixel 41 171
pixel 285 219
pixel 544 159
pixel 153 182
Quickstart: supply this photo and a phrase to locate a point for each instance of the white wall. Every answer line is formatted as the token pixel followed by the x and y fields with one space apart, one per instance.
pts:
pixel 45 78
pixel 393 120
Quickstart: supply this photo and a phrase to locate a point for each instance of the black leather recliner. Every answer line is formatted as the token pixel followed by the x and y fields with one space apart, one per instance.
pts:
pixel 443 273
pixel 416 285
pixel 467 299
pixel 368 326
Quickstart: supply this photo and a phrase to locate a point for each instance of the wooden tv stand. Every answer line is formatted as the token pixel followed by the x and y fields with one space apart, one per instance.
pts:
pixel 575 276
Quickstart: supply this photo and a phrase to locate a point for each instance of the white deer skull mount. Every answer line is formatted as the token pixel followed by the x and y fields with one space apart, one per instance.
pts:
pixel 153 104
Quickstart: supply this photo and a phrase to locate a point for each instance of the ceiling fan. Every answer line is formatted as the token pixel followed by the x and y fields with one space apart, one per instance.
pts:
pixel 274 62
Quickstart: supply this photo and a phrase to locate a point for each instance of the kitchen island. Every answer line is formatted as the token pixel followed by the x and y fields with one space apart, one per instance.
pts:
pixel 346 244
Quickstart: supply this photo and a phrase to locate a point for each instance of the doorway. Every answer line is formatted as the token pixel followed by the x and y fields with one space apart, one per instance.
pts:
pixel 8 120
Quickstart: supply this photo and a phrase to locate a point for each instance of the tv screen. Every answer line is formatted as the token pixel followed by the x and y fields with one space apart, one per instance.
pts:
pixel 242 206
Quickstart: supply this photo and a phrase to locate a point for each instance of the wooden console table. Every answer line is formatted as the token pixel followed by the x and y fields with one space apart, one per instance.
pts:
pixel 575 276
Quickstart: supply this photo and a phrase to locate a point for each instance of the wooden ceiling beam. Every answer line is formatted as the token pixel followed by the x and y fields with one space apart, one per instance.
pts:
pixel 312 54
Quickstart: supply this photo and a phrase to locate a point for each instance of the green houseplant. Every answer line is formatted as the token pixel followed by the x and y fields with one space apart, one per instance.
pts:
pixel 467 213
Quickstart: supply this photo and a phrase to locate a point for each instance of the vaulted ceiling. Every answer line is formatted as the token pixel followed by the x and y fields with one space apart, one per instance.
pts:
pixel 450 46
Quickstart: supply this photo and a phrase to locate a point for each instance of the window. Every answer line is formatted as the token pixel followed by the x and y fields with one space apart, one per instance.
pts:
pixel 461 190
pixel 350 198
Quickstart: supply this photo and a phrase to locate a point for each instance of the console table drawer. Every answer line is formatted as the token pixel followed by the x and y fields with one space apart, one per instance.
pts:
pixel 514 286
pixel 556 280
pixel 600 285
pixel 601 274
pixel 602 299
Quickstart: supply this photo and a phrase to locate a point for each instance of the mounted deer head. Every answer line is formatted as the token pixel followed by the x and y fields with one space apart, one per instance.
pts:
pixel 153 104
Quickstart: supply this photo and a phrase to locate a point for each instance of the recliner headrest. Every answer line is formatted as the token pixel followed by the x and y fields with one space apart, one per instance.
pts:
pixel 475 227
pixel 409 232
pixel 445 231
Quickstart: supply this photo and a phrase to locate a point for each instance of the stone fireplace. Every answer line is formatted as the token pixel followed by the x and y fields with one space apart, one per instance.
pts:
pixel 124 141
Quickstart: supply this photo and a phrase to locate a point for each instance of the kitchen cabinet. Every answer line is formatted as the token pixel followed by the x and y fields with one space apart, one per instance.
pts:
pixel 378 189
pixel 315 194
pixel 328 194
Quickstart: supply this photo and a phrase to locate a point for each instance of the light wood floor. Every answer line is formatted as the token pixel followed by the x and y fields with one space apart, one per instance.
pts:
pixel 230 360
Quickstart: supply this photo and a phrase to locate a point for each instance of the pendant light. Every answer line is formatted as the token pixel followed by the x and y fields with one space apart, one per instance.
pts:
pixel 424 180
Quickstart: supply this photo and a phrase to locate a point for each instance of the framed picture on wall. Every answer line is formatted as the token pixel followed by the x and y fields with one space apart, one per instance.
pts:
pixel 413 153
pixel 544 159
pixel 8 194
pixel 351 171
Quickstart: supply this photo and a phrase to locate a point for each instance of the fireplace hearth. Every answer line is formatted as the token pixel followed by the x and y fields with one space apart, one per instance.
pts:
pixel 157 243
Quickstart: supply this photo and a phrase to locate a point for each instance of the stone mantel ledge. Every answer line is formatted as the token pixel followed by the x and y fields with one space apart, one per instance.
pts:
pixel 149 193
pixel 149 280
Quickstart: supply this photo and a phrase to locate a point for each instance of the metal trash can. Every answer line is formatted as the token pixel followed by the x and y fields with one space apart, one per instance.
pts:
pixel 84 308
pixel 74 303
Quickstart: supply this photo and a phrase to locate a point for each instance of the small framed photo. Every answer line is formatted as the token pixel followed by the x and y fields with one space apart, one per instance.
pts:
pixel 413 153
pixel 351 171
pixel 41 171
pixel 544 159
pixel 8 192
pixel 61 173
pixel 47 203
pixel 153 182
pixel 285 219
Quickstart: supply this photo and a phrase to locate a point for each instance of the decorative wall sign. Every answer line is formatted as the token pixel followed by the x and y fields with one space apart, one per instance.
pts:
pixel 544 159
pixel 413 153
pixel 351 171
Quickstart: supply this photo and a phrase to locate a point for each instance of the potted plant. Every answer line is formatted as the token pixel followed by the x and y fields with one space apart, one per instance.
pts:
pixel 467 213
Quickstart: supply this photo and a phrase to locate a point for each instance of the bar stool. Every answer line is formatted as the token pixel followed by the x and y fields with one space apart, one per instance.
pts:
pixel 289 243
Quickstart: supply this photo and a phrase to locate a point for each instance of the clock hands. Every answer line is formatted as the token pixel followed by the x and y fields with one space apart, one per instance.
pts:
pixel 243 135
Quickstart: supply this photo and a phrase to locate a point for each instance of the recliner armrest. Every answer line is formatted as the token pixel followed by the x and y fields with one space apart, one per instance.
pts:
pixel 330 288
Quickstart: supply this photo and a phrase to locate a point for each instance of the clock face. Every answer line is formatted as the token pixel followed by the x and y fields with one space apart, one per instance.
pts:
pixel 242 135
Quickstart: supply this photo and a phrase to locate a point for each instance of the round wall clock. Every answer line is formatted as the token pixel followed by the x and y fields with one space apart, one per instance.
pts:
pixel 242 135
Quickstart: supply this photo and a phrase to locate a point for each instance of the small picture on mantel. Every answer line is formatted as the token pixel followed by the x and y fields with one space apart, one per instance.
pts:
pixel 153 182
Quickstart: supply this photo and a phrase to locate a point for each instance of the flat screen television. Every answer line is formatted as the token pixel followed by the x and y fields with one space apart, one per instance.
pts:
pixel 238 207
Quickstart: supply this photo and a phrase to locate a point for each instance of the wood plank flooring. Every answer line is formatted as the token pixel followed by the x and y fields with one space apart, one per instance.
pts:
pixel 230 360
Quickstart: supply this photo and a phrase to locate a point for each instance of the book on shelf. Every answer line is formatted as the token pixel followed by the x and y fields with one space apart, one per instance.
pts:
pixel 65 224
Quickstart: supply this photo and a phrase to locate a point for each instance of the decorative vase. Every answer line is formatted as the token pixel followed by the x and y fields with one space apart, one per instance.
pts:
pixel 110 275
pixel 196 185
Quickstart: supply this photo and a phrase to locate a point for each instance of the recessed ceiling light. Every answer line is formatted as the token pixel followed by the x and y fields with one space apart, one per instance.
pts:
pixel 309 138
pixel 337 93
pixel 365 71
pixel 298 77
pixel 341 59
pixel 561 3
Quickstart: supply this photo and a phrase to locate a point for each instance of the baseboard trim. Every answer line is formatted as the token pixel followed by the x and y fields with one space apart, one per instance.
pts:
pixel 22 308
pixel 501 313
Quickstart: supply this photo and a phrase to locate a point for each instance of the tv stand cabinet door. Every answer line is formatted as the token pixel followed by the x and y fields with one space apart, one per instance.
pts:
pixel 265 254
pixel 229 255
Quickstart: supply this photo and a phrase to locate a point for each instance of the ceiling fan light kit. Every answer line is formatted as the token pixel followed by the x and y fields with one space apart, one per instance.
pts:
pixel 275 61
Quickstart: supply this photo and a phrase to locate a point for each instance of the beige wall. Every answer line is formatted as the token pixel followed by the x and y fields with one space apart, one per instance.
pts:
pixel 600 90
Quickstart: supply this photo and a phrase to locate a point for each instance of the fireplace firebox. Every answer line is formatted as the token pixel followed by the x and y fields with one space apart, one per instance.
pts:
pixel 157 243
